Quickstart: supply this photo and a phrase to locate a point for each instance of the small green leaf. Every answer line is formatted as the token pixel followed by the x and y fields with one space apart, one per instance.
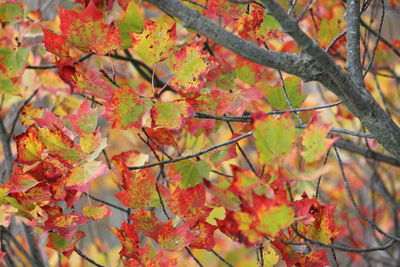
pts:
pixel 131 21
pixel 274 138
pixel 277 98
pixel 10 12
pixel 192 172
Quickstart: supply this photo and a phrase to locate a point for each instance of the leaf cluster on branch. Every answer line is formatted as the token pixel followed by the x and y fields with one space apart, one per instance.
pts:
pixel 166 132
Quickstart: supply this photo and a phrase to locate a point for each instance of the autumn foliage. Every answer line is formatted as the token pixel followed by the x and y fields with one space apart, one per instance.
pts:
pixel 129 139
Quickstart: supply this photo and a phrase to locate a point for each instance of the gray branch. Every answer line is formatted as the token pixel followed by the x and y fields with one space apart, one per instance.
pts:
pixel 353 63
pixel 299 65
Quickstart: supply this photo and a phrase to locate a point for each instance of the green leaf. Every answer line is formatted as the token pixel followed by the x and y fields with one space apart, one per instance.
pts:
pixel 10 12
pixel 269 23
pixel 157 41
pixel 13 61
pixel 276 96
pixel 192 172
pixel 315 142
pixel 275 218
pixel 7 86
pixel 169 115
pixel 131 21
pixel 126 108
pixel 274 138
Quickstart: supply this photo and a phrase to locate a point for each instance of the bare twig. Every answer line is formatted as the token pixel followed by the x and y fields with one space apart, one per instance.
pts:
pixel 383 40
pixel 80 253
pixel 192 155
pixel 342 248
pixel 350 194
pixel 193 256
pixel 221 258
pixel 377 39
pixel 107 203
pixel 54 66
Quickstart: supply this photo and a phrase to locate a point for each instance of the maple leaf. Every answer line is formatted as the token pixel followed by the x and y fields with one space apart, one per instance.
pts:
pixel 318 220
pixel 315 142
pixel 126 108
pixel 237 225
pixel 131 20
pixel 273 215
pixel 57 45
pixel 28 112
pixel 140 190
pixel 145 221
pixel 129 239
pixel 64 245
pixel 189 204
pixel 10 12
pixel 171 238
pixel 205 236
pixel 84 119
pixel 156 42
pixel 79 177
pixel 275 138
pixel 170 115
pixel 21 182
pixel 87 31
pixel 29 147
pixel 249 22
pixel 244 183
pixel 161 136
pixel 248 71
pixel 226 10
pixel 57 142
pixel 87 81
pixel 294 258
pixel 189 64
pixel 276 96
pixel 225 153
pixel 12 64
pixel 92 144
pixel 65 224
pixel 97 212
pixel 192 172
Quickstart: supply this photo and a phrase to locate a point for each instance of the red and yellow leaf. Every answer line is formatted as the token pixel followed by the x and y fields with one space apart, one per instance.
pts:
pixel 126 108
pixel 87 31
pixel 97 212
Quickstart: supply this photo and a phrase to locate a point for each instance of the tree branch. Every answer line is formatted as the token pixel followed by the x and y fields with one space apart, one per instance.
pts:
pixel 302 66
pixel 353 64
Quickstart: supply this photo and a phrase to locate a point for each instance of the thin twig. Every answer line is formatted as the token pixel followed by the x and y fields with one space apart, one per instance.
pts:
pixel 246 118
pixel 80 253
pixel 191 155
pixel 383 40
pixel 246 158
pixel 193 256
pixel 221 258
pixel 320 178
pixel 52 66
pixel 337 38
pixel 377 39
pixel 106 203
pixel 18 245
pixel 342 248
pixel 197 4
pixel 350 194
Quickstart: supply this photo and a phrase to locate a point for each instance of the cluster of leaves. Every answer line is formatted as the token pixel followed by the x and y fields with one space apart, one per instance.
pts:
pixel 192 203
